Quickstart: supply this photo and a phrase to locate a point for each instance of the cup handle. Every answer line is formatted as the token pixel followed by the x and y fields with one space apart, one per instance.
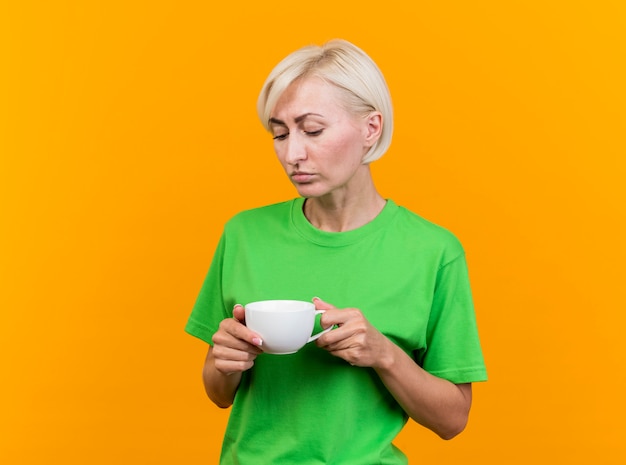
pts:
pixel 315 336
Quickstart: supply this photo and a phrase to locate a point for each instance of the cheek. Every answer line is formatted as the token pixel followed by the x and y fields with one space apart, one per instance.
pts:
pixel 349 151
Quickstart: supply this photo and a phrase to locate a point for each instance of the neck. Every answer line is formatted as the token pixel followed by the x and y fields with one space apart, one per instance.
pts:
pixel 339 212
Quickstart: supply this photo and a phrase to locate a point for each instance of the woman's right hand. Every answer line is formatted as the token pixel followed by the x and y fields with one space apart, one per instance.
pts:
pixel 234 350
pixel 235 347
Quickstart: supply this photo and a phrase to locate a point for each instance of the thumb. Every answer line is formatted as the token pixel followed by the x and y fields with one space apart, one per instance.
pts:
pixel 321 305
pixel 239 313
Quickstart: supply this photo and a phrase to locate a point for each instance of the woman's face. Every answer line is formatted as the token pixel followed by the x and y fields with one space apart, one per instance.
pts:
pixel 318 142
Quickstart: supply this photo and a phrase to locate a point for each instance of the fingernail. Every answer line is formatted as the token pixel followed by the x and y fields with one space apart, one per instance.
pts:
pixel 316 298
pixel 257 341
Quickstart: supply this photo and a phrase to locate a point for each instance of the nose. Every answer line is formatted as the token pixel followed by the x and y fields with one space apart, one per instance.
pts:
pixel 295 149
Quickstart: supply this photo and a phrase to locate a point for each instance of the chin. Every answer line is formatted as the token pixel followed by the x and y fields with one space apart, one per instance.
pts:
pixel 310 190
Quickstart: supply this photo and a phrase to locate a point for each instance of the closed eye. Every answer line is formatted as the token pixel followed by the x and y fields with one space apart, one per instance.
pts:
pixel 281 136
pixel 314 133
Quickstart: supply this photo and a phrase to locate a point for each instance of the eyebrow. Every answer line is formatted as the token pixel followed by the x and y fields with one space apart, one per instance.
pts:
pixel 297 119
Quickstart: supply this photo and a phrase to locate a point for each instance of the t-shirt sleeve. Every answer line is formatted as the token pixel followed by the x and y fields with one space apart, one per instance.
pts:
pixel 453 349
pixel 209 309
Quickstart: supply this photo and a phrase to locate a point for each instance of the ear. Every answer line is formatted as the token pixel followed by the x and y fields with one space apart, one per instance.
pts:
pixel 374 128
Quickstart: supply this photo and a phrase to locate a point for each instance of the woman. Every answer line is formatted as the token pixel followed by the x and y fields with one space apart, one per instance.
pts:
pixel 394 285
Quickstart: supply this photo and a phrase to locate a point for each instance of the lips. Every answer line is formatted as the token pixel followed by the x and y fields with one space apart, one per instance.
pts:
pixel 302 177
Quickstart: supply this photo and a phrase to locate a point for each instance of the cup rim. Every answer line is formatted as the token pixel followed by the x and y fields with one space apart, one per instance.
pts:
pixel 291 305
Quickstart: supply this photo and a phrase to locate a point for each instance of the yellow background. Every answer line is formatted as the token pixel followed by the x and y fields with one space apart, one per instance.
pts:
pixel 128 136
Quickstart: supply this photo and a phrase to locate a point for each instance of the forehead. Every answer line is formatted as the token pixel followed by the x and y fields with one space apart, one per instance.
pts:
pixel 309 95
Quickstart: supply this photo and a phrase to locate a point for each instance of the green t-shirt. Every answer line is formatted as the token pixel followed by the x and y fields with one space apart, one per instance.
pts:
pixel 409 278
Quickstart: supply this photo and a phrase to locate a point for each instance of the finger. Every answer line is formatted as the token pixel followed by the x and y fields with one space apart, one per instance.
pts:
pixel 228 366
pixel 230 361
pixel 232 331
pixel 321 305
pixel 347 356
pixel 338 335
pixel 350 330
pixel 235 355
pixel 223 343
pixel 239 313
pixel 327 319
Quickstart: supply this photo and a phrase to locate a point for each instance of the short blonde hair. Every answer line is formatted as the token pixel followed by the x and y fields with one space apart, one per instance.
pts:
pixel 343 65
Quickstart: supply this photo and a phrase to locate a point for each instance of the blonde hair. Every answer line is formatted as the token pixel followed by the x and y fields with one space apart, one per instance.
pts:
pixel 343 65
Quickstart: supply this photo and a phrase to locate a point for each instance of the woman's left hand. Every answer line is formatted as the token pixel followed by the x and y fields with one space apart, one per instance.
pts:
pixel 433 402
pixel 355 340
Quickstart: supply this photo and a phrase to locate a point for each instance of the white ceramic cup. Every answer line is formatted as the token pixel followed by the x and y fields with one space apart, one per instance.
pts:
pixel 284 325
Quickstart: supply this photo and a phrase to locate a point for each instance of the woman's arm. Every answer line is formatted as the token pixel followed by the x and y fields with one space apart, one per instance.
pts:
pixel 234 350
pixel 435 403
